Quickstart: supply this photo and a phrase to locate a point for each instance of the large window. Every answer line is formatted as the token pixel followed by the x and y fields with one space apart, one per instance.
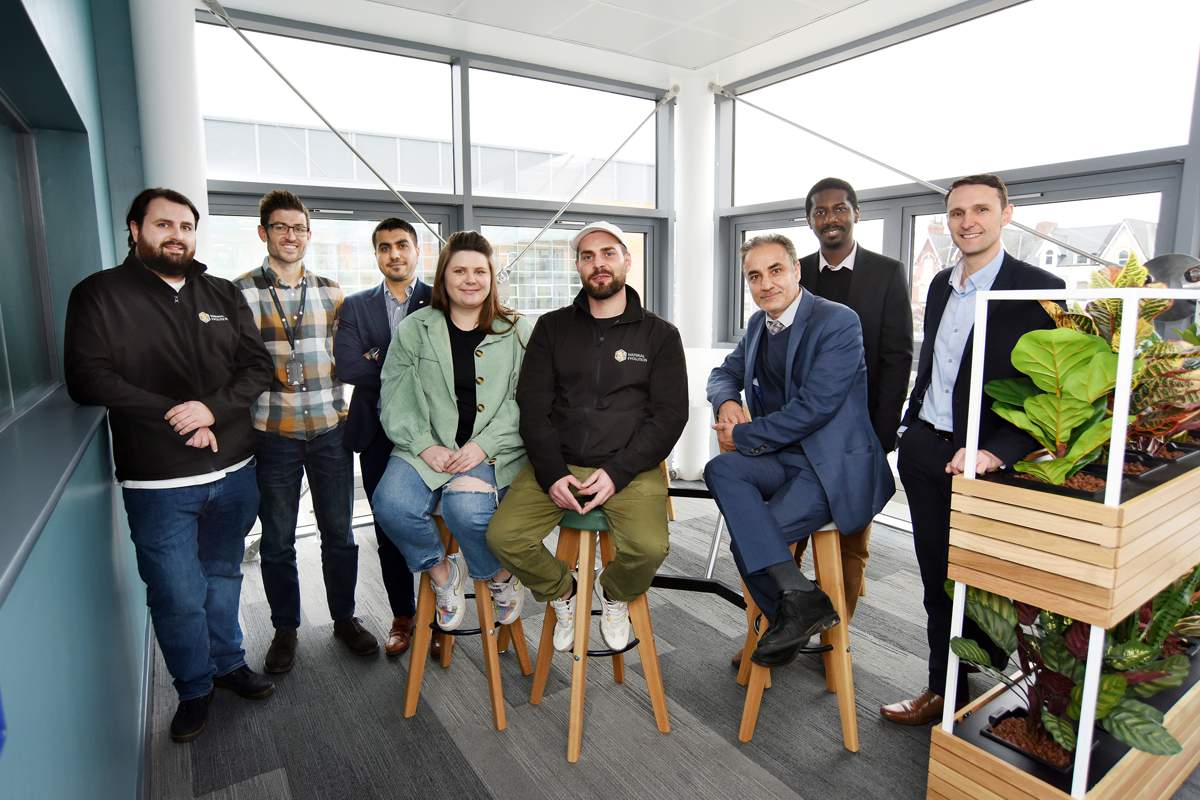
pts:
pixel 1000 92
pixel 395 110
pixel 539 139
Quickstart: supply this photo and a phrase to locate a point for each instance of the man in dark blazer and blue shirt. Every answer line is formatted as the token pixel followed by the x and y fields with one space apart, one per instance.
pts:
pixel 806 456
pixel 365 328
pixel 933 442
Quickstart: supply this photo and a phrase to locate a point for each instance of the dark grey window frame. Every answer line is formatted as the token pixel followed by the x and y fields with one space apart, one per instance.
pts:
pixel 463 209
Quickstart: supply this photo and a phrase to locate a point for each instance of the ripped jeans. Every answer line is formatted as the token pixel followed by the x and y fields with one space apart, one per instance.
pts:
pixel 404 508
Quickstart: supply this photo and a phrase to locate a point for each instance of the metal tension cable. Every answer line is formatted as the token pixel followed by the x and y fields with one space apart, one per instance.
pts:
pixel 723 92
pixel 216 8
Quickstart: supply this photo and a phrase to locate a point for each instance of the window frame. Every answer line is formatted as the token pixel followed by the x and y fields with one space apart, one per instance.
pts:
pixel 463 209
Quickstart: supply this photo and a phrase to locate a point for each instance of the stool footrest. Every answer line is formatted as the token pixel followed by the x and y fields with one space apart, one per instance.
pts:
pixel 602 653
pixel 433 626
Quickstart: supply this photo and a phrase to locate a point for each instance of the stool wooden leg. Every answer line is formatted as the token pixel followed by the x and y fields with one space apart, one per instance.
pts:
pixel 583 621
pixel 827 549
pixel 827 657
pixel 566 552
pixel 607 553
pixel 639 614
pixel 420 646
pixel 752 612
pixel 503 640
pixel 759 676
pixel 491 656
pixel 516 634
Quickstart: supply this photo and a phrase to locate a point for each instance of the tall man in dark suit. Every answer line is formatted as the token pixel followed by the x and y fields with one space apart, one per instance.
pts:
pixel 806 456
pixel 365 329
pixel 932 445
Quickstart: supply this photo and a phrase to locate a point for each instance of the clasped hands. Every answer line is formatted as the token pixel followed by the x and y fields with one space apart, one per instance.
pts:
pixel 195 418
pixel 729 414
pixel 443 459
pixel 598 485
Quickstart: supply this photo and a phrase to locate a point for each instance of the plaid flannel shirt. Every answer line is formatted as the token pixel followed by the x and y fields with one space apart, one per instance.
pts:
pixel 317 406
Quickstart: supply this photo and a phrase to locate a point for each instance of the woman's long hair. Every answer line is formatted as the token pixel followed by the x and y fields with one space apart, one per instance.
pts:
pixel 492 310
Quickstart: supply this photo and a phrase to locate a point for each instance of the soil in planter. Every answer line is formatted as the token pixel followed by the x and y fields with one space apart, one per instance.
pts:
pixel 1080 480
pixel 1038 744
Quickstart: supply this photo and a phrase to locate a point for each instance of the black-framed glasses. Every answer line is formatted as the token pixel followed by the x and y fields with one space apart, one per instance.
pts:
pixel 282 228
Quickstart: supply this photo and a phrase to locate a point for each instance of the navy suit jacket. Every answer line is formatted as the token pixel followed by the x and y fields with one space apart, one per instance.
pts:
pixel 824 416
pixel 1007 321
pixel 362 325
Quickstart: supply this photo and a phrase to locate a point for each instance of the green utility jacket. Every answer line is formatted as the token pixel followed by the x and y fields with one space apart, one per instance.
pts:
pixel 418 408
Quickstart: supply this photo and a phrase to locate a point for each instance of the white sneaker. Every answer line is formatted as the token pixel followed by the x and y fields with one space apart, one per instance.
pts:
pixel 451 598
pixel 508 597
pixel 614 620
pixel 564 627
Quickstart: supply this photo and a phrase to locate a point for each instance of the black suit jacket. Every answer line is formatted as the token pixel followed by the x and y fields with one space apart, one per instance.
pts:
pixel 362 325
pixel 879 295
pixel 1007 321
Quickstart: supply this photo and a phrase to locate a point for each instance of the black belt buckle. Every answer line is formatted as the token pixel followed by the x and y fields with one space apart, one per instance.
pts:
pixel 945 436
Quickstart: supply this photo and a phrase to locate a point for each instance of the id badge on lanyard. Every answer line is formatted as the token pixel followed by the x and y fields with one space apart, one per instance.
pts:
pixel 294 367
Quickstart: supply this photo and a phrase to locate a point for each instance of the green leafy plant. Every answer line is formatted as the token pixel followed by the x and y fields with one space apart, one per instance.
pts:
pixel 1051 651
pixel 1062 399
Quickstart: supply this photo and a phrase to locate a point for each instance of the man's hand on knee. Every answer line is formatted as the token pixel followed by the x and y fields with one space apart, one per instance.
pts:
pixel 600 486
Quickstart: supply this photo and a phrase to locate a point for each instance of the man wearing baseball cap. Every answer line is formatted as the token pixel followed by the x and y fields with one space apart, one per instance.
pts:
pixel 603 399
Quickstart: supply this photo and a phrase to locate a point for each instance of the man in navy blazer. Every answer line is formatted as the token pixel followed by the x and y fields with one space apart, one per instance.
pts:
pixel 365 328
pixel 933 442
pixel 806 455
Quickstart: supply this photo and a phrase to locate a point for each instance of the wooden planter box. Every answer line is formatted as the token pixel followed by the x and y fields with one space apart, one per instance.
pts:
pixel 1089 561
pixel 958 770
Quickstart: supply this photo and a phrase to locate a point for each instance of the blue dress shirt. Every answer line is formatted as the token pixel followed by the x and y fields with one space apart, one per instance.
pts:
pixel 957 321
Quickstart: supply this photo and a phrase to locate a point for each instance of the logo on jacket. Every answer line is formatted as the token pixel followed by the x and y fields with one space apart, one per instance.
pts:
pixel 206 317
pixel 622 356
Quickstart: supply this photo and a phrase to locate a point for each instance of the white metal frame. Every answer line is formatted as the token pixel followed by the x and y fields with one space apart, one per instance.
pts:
pixel 1127 340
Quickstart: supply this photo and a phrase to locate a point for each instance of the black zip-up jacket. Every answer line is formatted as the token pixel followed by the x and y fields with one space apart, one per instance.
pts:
pixel 137 347
pixel 595 394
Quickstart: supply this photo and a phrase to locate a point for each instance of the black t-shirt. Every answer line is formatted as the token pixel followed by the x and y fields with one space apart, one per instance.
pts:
pixel 834 284
pixel 462 347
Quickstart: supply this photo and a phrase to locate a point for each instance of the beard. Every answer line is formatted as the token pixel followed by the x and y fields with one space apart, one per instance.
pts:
pixel 162 262
pixel 603 293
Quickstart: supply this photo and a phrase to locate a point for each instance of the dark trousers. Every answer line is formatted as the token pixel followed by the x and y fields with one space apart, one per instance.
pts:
pixel 768 501
pixel 330 468
pixel 397 577
pixel 922 463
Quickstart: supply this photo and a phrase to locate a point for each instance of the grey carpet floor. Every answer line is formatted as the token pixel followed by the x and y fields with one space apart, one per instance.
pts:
pixel 334 729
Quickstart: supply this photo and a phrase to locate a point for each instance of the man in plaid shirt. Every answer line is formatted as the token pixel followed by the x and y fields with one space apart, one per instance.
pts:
pixel 298 424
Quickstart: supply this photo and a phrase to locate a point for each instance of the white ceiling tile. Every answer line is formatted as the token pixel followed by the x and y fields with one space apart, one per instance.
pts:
pixel 756 21
pixel 678 11
pixel 689 48
pixel 529 16
pixel 832 5
pixel 433 6
pixel 612 28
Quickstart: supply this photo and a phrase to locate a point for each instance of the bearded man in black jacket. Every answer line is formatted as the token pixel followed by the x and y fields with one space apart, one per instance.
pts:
pixel 176 357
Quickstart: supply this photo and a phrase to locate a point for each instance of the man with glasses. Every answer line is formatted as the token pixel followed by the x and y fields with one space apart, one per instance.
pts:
pixel 298 426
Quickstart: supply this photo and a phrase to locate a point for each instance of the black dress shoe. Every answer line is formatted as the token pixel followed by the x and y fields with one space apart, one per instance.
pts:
pixel 801 615
pixel 357 639
pixel 282 652
pixel 190 718
pixel 246 683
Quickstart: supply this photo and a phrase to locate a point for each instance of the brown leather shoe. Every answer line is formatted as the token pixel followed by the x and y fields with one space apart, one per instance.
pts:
pixel 400 637
pixel 920 710
pixel 736 661
pixel 435 646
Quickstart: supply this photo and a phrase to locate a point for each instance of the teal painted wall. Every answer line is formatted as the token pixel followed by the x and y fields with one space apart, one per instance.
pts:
pixel 73 642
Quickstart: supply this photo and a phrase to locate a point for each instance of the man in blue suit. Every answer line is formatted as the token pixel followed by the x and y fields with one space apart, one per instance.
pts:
pixel 807 454
pixel 365 328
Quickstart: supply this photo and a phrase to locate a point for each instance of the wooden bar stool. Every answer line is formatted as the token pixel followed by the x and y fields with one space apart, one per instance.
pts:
pixel 576 546
pixel 487 631
pixel 839 674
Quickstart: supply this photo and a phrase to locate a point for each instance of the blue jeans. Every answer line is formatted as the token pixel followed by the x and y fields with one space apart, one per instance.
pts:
pixel 189 543
pixel 404 508
pixel 330 469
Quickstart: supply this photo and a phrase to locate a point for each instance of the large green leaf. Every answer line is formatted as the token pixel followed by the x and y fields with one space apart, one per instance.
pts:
pixel 1055 471
pixel 1171 609
pixel 969 650
pixel 1141 733
pixel 1138 707
pixel 1017 417
pixel 996 615
pixel 1011 390
pixel 1060 729
pixel 1091 438
pixel 1056 656
pixel 1129 655
pixel 1049 356
pixel 1095 380
pixel 1176 668
pixel 1112 691
pixel 1058 416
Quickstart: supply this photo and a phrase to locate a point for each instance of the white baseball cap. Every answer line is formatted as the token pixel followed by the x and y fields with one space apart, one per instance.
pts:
pixel 600 225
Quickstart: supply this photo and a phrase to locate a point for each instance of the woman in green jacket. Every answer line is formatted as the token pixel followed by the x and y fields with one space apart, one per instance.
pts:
pixel 448 403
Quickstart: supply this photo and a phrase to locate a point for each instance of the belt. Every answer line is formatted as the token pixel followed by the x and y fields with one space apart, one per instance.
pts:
pixel 945 436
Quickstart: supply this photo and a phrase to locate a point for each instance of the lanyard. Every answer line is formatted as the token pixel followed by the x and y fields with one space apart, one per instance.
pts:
pixel 288 330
